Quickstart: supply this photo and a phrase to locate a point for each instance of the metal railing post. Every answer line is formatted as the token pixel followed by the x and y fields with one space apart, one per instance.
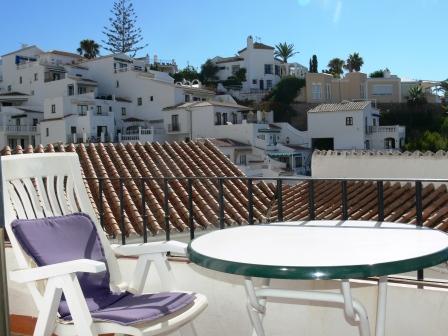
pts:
pixel 380 192
pixel 166 209
pixel 279 200
pixel 144 214
pixel 190 207
pixel 419 216
pixel 344 200
pixel 221 202
pixel 123 234
pixel 4 303
pixel 100 205
pixel 250 201
pixel 311 206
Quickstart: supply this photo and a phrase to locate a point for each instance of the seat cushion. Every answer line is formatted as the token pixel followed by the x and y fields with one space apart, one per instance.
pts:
pixel 133 309
pixel 53 240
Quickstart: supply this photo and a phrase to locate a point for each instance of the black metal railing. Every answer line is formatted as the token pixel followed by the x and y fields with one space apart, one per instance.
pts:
pixel 219 182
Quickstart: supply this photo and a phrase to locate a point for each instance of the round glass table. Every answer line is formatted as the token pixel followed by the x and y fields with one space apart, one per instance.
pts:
pixel 320 250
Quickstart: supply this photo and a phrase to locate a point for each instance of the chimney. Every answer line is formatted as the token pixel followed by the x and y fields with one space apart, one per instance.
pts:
pixel 250 42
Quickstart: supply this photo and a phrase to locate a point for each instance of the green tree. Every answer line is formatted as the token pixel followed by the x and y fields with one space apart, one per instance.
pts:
pixel 354 62
pixel 335 67
pixel 188 73
pixel 313 64
pixel 416 96
pixel 241 75
pixel 377 74
pixel 208 72
pixel 88 48
pixel 122 36
pixel 284 51
pixel 430 141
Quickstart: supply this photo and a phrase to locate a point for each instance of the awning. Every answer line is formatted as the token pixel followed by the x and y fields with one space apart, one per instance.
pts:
pixel 283 154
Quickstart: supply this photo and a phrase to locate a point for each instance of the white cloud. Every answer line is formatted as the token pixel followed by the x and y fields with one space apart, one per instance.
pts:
pixel 337 12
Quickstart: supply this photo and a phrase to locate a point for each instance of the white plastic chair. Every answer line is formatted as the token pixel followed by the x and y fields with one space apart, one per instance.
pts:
pixel 44 185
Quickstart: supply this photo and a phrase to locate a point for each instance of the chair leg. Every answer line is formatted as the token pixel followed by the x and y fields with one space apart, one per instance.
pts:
pixel 188 330
pixel 48 309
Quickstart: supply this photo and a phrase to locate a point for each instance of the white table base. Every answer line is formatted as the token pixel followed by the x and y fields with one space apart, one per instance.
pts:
pixel 354 310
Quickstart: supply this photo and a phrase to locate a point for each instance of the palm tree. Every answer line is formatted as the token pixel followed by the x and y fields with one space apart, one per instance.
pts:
pixel 335 67
pixel 88 48
pixel 416 96
pixel 284 51
pixel 354 62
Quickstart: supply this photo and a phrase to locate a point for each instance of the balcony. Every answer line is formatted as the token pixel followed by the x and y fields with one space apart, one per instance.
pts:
pixel 19 129
pixel 142 135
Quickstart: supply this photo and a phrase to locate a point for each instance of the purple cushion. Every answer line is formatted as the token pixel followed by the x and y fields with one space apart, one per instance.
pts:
pixel 53 240
pixel 132 309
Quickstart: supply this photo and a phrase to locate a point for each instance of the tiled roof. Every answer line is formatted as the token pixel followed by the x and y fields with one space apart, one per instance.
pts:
pixel 259 45
pixel 13 93
pixel 399 202
pixel 226 142
pixel 207 103
pixel 344 106
pixel 202 158
pixel 229 59
pixel 65 53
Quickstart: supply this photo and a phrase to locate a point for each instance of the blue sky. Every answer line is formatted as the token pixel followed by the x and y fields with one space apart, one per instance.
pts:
pixel 407 36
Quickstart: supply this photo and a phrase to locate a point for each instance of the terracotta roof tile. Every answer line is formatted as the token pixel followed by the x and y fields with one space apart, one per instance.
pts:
pixel 203 158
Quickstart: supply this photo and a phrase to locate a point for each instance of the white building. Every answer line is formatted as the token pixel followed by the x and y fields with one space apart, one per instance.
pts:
pixel 263 69
pixel 238 128
pixel 108 98
pixel 351 125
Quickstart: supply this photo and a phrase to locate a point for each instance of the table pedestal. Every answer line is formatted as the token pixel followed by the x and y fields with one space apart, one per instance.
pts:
pixel 353 309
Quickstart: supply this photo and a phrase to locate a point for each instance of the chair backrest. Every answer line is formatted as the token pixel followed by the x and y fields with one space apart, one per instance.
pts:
pixel 46 185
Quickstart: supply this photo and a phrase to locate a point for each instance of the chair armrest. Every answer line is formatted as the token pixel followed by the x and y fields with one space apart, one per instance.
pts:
pixel 150 248
pixel 45 272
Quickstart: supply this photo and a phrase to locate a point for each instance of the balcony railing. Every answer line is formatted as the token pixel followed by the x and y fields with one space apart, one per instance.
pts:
pixel 220 183
pixel 18 128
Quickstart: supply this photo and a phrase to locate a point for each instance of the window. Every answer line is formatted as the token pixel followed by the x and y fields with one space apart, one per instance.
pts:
pixel 349 121
pixel 196 99
pixel 123 111
pixel 47 132
pixel 53 108
pixel 56 76
pixel 151 98
pixel 243 159
pixel 73 130
pixel 218 119
pixel 277 70
pixel 99 110
pixel 298 161
pixel 268 69
pixel 362 91
pixel 269 84
pixel 235 69
pixel 382 90
pixel 82 109
pixel 110 108
pixel 234 118
pixel 20 80
pixel 35 77
pixel 187 98
pixel 254 81
pixel 70 90
pixel 374 122
pixel 315 91
pixel 224 118
pixel 328 91
pixel 82 90
pixel 9 88
pixel 35 122
pixel 175 122
pixel 117 84
pixel 139 101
